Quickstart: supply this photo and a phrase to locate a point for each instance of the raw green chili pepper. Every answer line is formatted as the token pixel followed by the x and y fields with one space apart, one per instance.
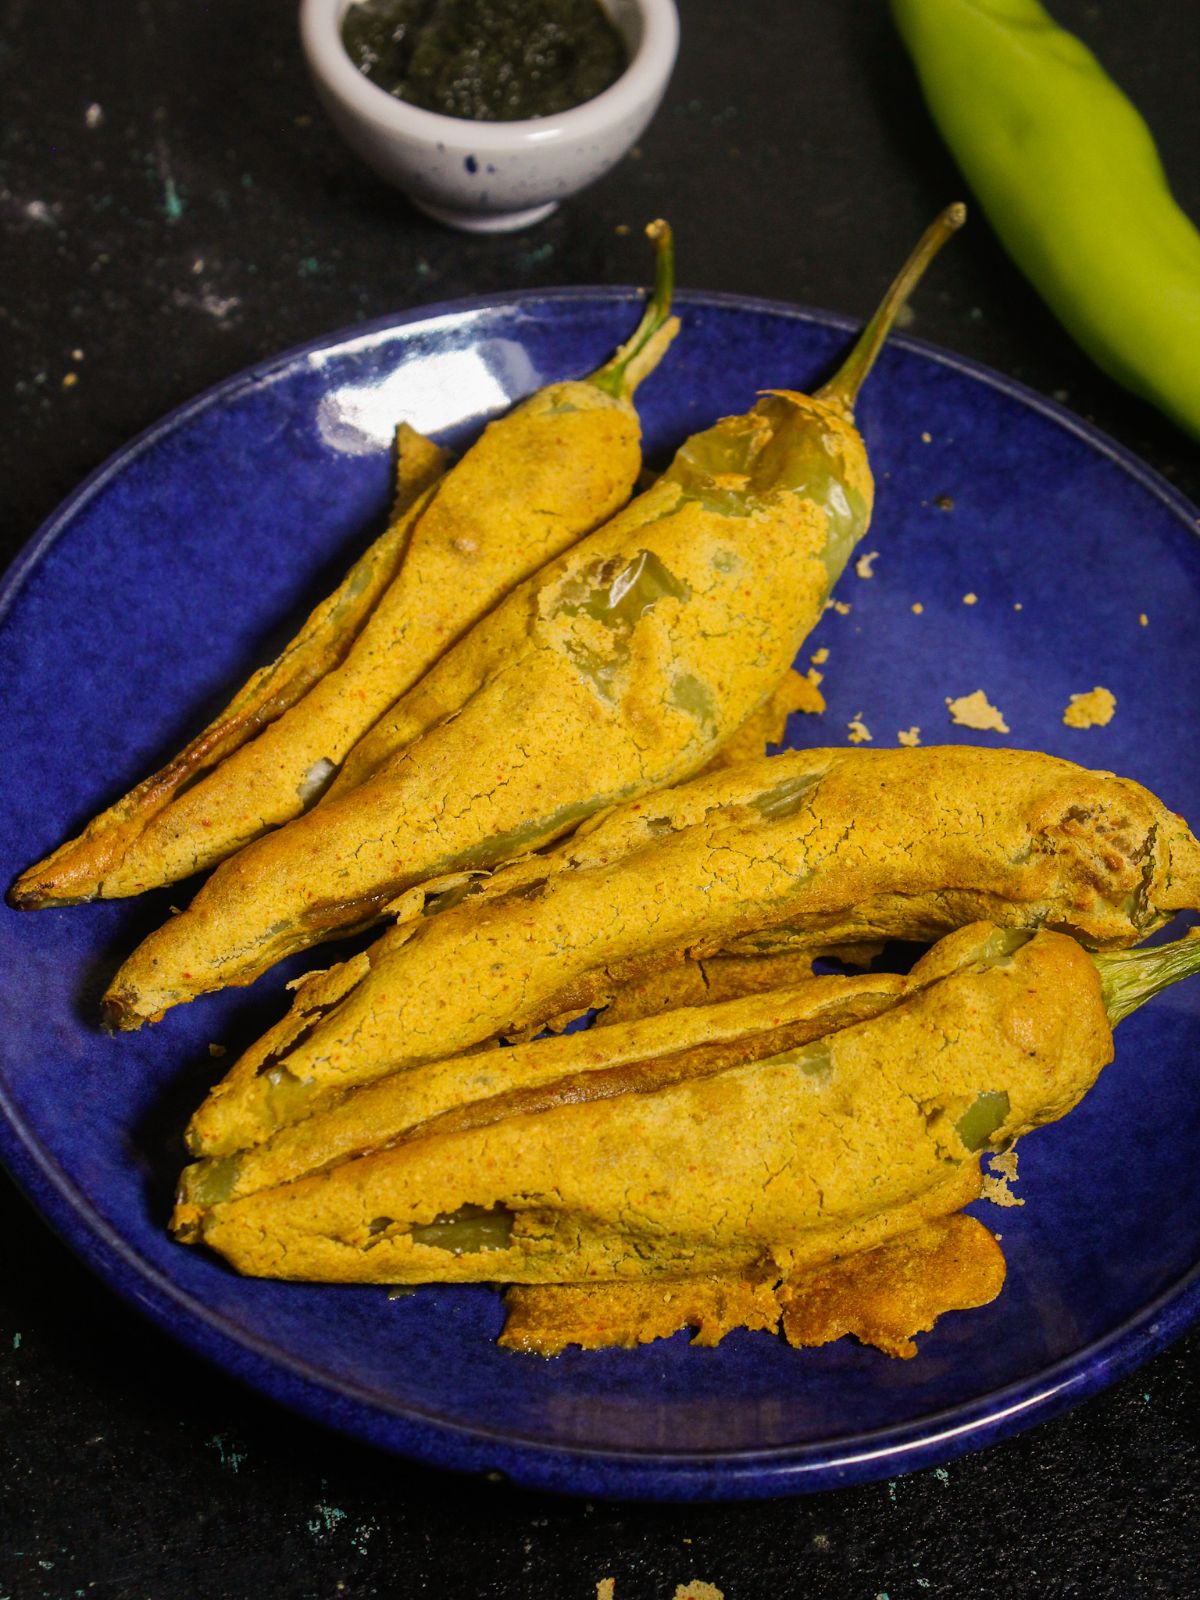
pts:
pixel 1070 178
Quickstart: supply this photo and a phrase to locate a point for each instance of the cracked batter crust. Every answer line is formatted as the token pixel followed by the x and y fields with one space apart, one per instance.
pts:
pixel 820 1148
pixel 808 849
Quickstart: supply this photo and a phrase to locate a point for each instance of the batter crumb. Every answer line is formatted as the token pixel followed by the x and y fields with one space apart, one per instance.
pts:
pixel 997 1182
pixel 604 1589
pixel 1143 620
pixel 975 711
pixel 909 736
pixel 840 606
pixel 216 1051
pixel 944 503
pixel 917 608
pixel 697 1589
pixel 970 599
pixel 1017 606
pixel 926 438
pixel 864 566
pixel 859 732
pixel 819 657
pixel 1094 710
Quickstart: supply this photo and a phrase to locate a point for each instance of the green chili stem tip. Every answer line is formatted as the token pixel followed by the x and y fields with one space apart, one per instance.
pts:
pixel 641 353
pixel 842 389
pixel 1128 978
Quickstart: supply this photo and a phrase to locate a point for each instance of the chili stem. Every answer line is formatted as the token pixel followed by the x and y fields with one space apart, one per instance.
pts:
pixel 1128 978
pixel 621 375
pixel 842 389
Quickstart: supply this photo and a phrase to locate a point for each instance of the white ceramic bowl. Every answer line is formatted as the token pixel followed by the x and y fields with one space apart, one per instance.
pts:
pixel 489 177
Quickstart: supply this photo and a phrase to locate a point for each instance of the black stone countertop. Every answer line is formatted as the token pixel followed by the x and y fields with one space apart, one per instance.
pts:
pixel 174 206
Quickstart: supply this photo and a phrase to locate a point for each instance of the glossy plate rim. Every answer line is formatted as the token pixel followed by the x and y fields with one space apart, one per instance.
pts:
pixel 337 1402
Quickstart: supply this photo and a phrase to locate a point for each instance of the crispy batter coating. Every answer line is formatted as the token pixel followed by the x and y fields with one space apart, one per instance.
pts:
pixel 543 1320
pixel 540 477
pixel 882 1297
pixel 820 1149
pixel 813 847
pixel 700 983
pixel 626 1057
pixel 622 666
pixel 768 725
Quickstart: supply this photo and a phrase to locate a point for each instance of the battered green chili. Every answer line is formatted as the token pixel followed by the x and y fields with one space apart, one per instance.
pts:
pixel 623 665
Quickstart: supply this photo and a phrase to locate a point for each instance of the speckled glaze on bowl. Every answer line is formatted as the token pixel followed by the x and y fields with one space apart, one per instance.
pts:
pixel 221 525
pixel 493 177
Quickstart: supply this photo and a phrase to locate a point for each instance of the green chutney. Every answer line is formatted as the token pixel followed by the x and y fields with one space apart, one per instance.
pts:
pixel 486 60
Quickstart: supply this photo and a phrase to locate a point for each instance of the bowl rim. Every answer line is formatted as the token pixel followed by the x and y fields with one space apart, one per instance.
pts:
pixel 646 74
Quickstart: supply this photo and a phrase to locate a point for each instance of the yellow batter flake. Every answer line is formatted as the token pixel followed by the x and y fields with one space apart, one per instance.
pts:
pixel 911 737
pixel 1092 710
pixel 858 732
pixel 865 565
pixel 884 1297
pixel 998 1179
pixel 544 1320
pixel 975 711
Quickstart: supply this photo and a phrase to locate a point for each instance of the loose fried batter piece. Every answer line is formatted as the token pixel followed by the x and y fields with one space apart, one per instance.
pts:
pixel 885 1296
pixel 544 1320
pixel 882 1297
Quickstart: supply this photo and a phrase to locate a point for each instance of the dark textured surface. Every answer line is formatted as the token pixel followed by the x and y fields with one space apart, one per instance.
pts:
pixel 208 219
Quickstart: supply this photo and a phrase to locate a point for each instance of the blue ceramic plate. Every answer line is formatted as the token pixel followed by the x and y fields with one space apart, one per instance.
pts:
pixel 185 560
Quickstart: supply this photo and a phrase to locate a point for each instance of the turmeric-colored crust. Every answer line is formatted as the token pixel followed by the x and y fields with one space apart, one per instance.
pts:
pixel 548 472
pixel 886 1296
pixel 626 1057
pixel 78 869
pixel 825 846
pixel 701 983
pixel 544 1319
pixel 883 1297
pixel 824 1147
pixel 622 666
pixel 768 725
